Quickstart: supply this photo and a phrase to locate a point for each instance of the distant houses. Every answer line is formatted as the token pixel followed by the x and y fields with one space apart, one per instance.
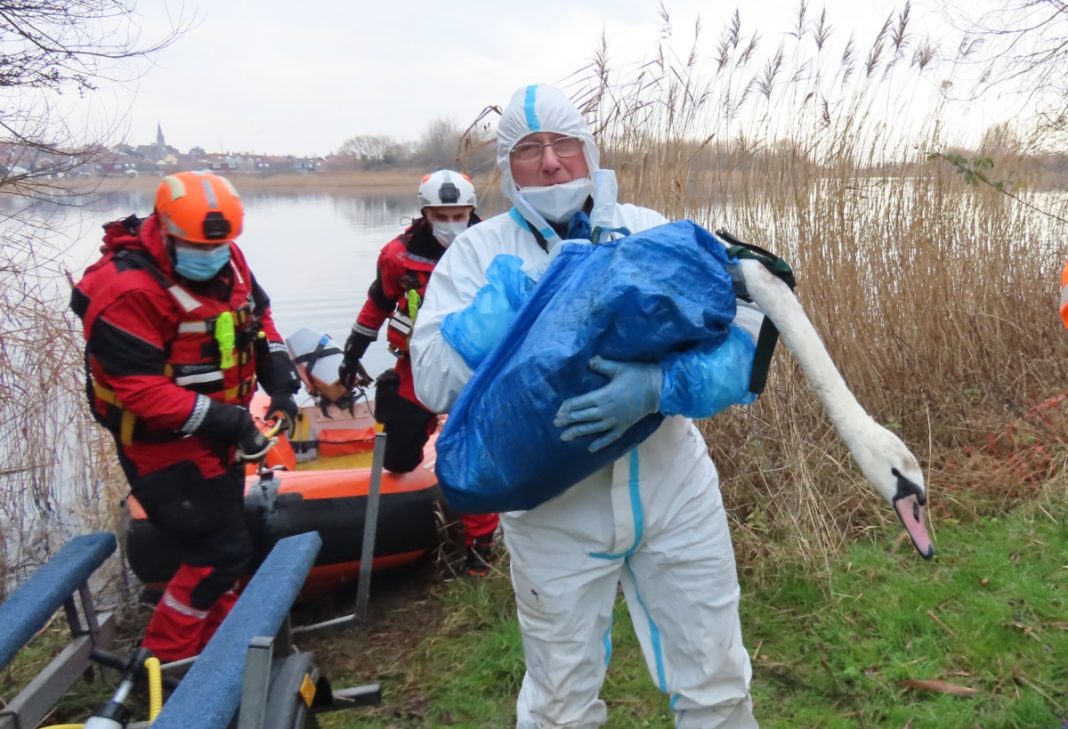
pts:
pixel 120 161
pixel 259 164
pixel 20 160
pixel 155 159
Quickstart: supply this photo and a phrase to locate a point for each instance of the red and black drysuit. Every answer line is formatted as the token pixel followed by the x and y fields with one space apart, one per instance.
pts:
pixel 159 379
pixel 404 268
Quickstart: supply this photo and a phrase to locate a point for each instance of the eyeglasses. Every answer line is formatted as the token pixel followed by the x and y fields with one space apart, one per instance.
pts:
pixel 532 151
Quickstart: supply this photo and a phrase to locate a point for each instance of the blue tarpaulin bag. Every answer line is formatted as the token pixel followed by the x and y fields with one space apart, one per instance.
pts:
pixel 636 299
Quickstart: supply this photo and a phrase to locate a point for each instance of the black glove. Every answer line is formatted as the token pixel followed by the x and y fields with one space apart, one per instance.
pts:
pixel 233 425
pixel 225 424
pixel 282 402
pixel 350 370
pixel 253 445
pixel 277 373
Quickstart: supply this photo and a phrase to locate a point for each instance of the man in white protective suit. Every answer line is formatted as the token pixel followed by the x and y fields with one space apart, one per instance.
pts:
pixel 653 521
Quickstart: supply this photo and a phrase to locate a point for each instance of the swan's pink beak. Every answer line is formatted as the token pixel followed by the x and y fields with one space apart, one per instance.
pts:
pixel 910 511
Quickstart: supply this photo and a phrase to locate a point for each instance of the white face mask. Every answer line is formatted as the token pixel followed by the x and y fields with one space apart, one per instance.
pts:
pixel 447 232
pixel 558 203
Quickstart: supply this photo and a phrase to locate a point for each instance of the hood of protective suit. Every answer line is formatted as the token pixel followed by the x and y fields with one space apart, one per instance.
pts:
pixel 145 235
pixel 540 108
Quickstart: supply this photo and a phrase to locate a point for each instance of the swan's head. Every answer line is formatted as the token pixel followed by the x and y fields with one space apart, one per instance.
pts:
pixel 894 472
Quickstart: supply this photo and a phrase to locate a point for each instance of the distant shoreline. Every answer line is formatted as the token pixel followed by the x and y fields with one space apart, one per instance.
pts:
pixel 389 182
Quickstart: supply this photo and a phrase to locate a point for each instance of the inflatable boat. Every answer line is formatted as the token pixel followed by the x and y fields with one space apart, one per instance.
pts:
pixel 318 480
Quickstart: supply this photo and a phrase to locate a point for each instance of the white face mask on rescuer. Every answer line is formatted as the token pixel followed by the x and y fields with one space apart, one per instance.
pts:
pixel 447 232
pixel 558 203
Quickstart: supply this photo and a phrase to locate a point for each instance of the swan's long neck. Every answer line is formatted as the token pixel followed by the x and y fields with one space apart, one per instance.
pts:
pixel 886 462
pixel 781 306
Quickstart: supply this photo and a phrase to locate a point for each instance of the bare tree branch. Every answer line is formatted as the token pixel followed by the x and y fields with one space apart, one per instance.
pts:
pixel 54 460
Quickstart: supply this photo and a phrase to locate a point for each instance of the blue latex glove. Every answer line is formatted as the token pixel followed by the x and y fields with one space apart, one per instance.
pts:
pixel 702 382
pixel 632 392
pixel 473 331
pixel 698 383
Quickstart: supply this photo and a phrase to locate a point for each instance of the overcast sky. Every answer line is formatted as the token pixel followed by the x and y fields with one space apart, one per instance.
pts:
pixel 269 76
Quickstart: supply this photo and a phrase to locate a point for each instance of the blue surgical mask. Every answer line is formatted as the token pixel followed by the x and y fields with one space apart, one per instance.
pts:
pixel 200 263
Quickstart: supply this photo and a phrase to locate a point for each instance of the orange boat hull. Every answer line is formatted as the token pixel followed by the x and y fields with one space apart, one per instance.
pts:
pixel 331 501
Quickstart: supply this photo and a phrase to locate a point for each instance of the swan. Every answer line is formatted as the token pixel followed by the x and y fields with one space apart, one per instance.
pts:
pixel 884 460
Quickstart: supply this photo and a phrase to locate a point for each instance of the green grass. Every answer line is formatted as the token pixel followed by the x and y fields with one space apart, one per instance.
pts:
pixel 831 650
pixel 84 695
pixel 989 614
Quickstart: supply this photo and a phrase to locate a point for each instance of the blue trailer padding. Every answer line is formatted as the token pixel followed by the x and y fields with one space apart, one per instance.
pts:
pixel 35 601
pixel 209 695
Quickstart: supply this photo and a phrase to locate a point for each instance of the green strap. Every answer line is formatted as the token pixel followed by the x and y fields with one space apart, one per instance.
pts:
pixel 769 334
pixel 770 261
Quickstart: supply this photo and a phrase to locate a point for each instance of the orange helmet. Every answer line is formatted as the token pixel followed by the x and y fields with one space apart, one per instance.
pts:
pixel 199 207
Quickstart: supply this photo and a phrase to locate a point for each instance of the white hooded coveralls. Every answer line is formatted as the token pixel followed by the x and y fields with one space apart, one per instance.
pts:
pixel 653 521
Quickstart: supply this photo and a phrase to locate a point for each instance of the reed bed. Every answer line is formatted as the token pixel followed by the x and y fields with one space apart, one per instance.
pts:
pixel 936 298
pixel 340 184
pixel 58 473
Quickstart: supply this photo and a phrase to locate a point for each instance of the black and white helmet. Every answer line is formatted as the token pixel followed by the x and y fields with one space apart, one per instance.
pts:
pixel 446 189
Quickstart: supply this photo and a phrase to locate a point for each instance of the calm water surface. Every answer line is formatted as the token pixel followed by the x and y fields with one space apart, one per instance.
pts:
pixel 315 254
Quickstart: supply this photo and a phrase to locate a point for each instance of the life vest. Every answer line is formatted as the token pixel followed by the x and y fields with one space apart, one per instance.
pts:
pixel 412 284
pixel 212 352
pixel 1064 295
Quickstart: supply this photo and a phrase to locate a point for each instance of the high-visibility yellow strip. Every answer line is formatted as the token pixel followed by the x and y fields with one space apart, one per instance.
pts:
pixel 126 427
pixel 106 395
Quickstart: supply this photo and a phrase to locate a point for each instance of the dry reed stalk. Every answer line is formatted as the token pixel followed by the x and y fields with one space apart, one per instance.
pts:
pixel 351 182
pixel 936 299
pixel 57 476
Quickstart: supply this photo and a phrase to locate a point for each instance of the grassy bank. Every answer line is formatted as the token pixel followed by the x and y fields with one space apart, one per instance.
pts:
pixel 974 639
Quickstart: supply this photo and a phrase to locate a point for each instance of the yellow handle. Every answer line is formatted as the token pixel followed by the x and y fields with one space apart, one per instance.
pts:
pixel 155 694
pixel 274 426
pixel 155 688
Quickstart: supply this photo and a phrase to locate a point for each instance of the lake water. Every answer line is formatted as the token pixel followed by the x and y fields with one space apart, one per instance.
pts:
pixel 314 254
